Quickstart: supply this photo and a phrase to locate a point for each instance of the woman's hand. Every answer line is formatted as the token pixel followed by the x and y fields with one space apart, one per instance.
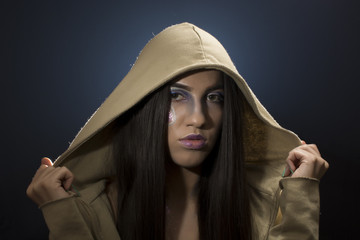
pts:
pixel 49 183
pixel 306 161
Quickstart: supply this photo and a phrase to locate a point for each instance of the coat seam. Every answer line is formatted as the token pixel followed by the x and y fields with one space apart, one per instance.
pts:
pixel 201 45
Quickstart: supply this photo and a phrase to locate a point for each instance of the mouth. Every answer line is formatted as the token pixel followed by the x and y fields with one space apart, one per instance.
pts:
pixel 193 141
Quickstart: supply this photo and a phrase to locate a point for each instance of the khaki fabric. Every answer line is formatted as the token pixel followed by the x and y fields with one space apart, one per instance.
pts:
pixel 174 51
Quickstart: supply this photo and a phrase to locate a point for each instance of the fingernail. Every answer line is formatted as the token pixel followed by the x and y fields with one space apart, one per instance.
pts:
pixel 75 190
pixel 283 174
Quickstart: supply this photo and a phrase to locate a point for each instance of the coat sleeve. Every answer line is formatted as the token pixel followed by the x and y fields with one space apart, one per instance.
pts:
pixel 69 218
pixel 300 209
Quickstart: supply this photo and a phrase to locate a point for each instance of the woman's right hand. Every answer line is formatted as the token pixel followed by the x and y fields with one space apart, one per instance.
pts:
pixel 49 183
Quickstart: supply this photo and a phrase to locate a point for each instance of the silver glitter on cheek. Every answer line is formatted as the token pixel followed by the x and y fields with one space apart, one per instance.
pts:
pixel 172 116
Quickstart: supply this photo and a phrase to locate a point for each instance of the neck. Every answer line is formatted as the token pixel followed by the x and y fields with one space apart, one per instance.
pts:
pixel 181 183
pixel 181 202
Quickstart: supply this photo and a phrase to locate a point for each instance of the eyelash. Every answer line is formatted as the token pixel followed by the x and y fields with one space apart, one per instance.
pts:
pixel 175 94
pixel 220 97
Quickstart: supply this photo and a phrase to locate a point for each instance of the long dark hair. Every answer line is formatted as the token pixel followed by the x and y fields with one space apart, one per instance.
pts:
pixel 141 152
pixel 223 204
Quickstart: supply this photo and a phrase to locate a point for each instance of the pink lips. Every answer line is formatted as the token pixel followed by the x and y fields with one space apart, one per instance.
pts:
pixel 193 141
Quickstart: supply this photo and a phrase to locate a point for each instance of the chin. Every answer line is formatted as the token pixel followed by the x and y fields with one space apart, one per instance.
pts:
pixel 189 162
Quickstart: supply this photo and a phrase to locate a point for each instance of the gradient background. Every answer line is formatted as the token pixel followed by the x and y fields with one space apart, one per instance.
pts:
pixel 61 59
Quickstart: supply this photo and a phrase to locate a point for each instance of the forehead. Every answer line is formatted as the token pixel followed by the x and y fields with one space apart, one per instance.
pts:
pixel 202 79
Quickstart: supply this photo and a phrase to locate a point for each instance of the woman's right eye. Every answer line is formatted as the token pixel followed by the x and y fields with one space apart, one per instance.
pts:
pixel 176 96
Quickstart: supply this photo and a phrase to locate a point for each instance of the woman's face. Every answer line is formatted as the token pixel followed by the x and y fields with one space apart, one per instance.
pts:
pixel 195 117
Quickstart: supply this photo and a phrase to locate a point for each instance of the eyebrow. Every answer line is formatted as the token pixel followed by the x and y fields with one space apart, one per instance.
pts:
pixel 211 88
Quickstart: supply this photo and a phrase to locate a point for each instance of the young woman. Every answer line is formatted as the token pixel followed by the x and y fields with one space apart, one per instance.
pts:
pixel 182 149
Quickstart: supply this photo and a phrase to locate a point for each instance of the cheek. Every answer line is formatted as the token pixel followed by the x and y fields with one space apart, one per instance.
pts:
pixel 177 113
pixel 172 116
pixel 216 114
pixel 175 128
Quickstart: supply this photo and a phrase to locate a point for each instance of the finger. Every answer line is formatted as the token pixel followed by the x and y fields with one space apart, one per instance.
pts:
pixel 315 148
pixel 42 171
pixel 290 167
pixel 288 170
pixel 303 142
pixel 65 177
pixel 311 148
pixel 327 165
pixel 46 161
pixel 297 156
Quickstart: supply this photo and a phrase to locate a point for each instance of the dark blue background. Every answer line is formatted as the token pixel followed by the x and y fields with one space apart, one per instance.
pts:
pixel 61 59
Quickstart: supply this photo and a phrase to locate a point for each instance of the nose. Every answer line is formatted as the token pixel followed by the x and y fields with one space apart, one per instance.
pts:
pixel 197 116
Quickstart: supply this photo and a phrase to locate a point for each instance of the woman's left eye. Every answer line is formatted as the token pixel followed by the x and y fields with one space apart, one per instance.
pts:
pixel 215 97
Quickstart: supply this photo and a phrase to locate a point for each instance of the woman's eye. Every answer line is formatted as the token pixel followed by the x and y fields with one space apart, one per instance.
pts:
pixel 215 97
pixel 177 96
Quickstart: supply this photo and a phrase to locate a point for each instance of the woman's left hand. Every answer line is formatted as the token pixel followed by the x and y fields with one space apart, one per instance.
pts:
pixel 306 161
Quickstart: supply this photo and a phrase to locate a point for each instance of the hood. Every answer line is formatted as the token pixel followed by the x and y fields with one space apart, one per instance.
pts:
pixel 178 49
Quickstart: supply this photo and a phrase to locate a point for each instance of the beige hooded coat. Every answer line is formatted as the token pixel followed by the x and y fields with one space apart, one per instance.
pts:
pixel 176 50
